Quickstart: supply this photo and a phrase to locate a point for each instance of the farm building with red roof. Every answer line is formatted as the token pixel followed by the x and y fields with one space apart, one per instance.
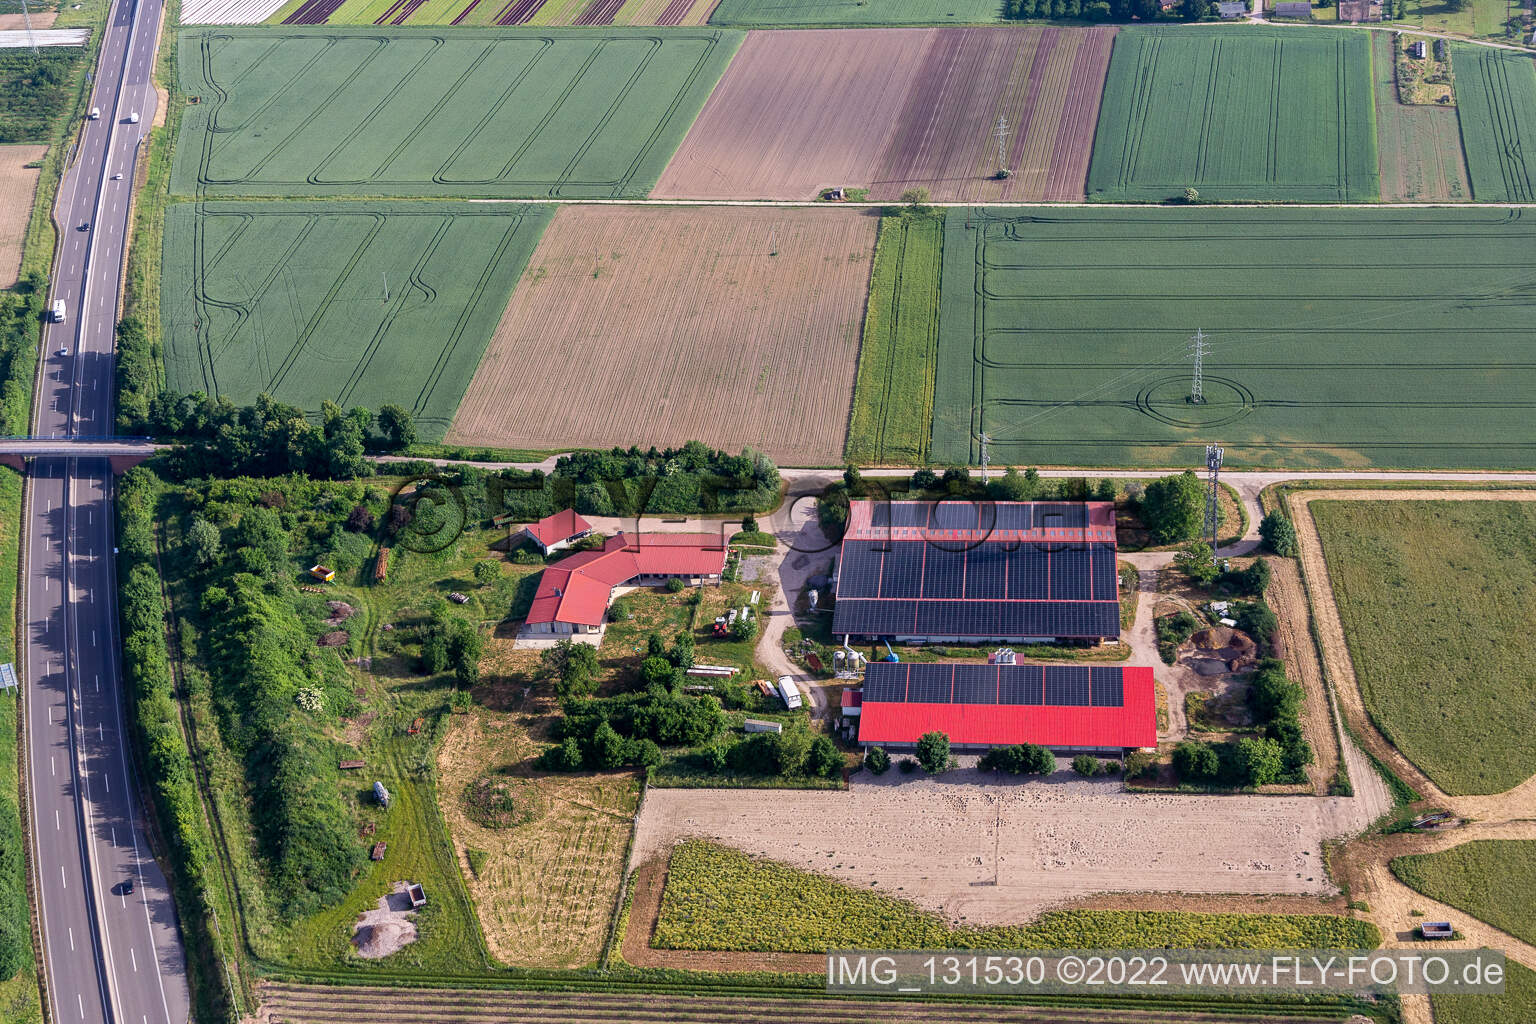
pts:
pixel 573 594
pixel 559 531
pixel 1070 709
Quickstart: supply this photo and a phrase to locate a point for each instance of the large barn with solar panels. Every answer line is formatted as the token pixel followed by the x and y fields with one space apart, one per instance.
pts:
pixel 1071 709
pixel 979 572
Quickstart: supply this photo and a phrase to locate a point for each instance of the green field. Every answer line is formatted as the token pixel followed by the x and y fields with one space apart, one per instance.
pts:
pixel 451 112
pixel 1489 879
pixel 357 303
pixel 1518 1003
pixel 1435 598
pixel 893 397
pixel 1064 336
pixel 717 898
pixel 791 13
pixel 1480 19
pixel 1496 98
pixel 1261 114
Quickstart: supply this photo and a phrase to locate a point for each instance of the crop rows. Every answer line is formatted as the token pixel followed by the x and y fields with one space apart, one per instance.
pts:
pixel 534 13
pixel 361 305
pixel 730 326
pixel 1251 115
pixel 1496 98
pixel 296 1004
pixel 890 109
pixel 893 398
pixel 454 112
pixel 1064 336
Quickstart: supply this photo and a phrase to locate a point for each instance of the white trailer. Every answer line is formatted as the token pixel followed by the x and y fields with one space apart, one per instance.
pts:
pixel 789 691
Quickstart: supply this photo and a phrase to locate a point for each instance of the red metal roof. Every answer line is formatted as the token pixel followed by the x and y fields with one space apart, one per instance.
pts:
pixel 561 526
pixel 852 698
pixel 577 589
pixel 996 725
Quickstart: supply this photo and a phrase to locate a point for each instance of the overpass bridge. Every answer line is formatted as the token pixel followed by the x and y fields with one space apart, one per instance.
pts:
pixel 121 452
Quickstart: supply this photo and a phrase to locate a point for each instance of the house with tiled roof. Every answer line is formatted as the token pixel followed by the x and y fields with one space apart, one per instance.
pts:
pixel 574 593
pixel 558 532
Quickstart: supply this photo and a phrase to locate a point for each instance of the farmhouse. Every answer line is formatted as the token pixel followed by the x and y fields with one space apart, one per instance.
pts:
pixel 557 532
pixel 1071 709
pixel 1006 572
pixel 573 593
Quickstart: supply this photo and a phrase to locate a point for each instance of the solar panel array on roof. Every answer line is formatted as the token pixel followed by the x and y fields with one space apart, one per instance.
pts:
pixel 986 572
pixel 1096 686
pixel 976 618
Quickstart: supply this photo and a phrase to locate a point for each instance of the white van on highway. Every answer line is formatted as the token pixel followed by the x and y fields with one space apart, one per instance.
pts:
pixel 56 312
pixel 133 118
pixel 95 113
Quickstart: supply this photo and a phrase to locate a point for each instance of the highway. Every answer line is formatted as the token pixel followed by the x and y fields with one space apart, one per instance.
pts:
pixel 110 956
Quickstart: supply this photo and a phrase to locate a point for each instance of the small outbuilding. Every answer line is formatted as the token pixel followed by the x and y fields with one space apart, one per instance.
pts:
pixel 1230 9
pixel 1417 49
pixel 381 794
pixel 1292 9
pixel 417 894
pixel 559 531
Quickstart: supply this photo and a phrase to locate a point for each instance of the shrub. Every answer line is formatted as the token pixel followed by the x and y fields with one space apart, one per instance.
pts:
pixel 675 585
pixel 1173 508
pixel 1198 563
pixel 1278 533
pixel 1020 758
pixel 1085 765
pixel 907 765
pixel 1173 630
pixel 877 760
pixel 744 628
pixel 823 759
pixel 1259 761
pixel 933 752
pixel 1196 761
pixel 486 571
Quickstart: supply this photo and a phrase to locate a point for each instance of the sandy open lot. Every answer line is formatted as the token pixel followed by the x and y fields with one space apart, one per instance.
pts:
pixel 889 109
pixel 18 184
pixel 1000 852
pixel 656 325
pixel 17 20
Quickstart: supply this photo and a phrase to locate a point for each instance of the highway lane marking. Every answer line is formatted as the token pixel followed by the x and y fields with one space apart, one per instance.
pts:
pixel 65 882
pixel 132 955
pixel 71 940
pixel 82 1005
pixel 58 824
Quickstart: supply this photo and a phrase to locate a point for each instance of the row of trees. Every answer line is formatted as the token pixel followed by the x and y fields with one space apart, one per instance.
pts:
pixel 270 438
pixel 1104 10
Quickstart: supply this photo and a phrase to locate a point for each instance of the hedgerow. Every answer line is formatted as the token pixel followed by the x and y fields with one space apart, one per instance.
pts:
pixel 720 899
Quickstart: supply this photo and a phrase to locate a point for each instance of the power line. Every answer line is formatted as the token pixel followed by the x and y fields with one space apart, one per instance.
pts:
pixel 26 16
pixel 1198 348
pixel 1000 134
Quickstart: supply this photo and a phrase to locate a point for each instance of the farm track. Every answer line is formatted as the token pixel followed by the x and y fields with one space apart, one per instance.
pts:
pixel 296 1004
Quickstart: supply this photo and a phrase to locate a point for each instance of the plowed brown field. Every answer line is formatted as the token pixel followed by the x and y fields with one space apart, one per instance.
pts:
pixel 657 325
pixel 890 109
pixel 18 183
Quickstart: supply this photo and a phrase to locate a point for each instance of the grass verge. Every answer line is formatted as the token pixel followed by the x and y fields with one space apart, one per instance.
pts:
pixel 892 418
